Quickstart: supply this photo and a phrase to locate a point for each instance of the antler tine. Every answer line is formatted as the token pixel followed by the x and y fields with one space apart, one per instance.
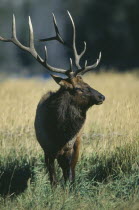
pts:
pixel 31 35
pixel 76 55
pixel 71 65
pixel 13 28
pixel 55 24
pixel 46 56
pixel 82 53
pixel 85 64
pixel 88 68
pixel 57 37
pixel 14 37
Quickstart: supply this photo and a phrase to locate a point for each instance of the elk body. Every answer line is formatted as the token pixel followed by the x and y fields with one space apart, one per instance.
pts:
pixel 60 115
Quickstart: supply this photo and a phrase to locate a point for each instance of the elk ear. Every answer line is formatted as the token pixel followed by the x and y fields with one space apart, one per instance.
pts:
pixel 62 82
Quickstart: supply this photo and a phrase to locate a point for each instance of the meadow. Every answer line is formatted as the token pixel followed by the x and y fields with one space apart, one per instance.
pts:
pixel 107 174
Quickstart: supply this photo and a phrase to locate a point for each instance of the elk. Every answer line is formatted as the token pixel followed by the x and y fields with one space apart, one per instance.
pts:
pixel 60 115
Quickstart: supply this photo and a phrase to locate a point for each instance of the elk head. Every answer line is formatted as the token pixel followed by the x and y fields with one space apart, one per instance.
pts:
pixel 82 92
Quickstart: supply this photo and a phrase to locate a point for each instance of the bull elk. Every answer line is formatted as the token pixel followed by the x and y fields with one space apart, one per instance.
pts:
pixel 60 115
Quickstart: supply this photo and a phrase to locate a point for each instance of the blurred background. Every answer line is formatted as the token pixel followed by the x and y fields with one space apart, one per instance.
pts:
pixel 107 26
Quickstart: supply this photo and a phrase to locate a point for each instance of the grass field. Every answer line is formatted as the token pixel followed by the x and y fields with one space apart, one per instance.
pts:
pixel 108 169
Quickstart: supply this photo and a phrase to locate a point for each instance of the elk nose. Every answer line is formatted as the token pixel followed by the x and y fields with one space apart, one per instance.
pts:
pixel 102 97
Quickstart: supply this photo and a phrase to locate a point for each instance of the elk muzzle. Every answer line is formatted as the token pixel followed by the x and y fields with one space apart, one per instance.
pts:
pixel 97 98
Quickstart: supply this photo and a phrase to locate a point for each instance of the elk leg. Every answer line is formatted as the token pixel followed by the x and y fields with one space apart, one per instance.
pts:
pixel 64 162
pixel 75 157
pixel 49 161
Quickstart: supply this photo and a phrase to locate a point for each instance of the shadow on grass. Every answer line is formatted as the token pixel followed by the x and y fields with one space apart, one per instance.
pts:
pixel 15 176
pixel 112 166
pixel 101 173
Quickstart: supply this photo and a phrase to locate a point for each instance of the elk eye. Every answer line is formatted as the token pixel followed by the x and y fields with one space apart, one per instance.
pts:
pixel 79 90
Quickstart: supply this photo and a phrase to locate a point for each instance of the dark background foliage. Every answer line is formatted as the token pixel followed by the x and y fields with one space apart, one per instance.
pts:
pixel 109 26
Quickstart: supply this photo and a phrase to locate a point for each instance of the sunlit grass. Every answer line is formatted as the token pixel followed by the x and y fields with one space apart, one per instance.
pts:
pixel 109 151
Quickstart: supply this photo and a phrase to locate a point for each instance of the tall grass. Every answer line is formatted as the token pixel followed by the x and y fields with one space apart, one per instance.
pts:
pixel 107 175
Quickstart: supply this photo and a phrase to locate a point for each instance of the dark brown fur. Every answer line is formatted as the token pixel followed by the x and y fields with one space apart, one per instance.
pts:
pixel 60 117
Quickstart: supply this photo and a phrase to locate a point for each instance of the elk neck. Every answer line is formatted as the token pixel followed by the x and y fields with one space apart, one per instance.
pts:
pixel 68 109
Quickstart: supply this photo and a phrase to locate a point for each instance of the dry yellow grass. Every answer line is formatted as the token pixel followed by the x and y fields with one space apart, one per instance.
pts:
pixel 112 124
pixel 111 140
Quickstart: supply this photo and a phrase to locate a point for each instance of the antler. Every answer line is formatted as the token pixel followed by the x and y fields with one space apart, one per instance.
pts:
pixel 31 49
pixel 77 57
pixel 80 70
